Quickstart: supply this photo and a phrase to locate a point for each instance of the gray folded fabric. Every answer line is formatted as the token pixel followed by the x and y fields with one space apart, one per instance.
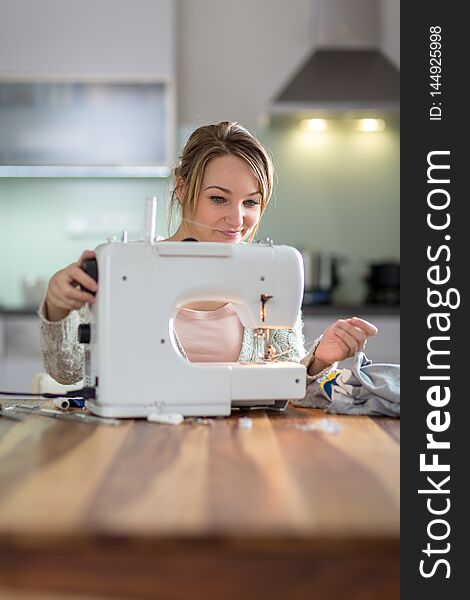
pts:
pixel 366 388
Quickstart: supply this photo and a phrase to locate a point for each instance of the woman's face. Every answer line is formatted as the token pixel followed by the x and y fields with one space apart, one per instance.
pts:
pixel 229 204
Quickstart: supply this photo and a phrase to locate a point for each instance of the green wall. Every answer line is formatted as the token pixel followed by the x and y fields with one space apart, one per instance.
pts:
pixel 338 192
pixel 335 192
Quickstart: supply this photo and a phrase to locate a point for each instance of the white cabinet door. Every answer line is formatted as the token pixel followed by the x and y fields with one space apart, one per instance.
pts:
pixel 2 353
pixel 3 379
pixel 2 337
pixel 18 373
pixel 22 336
pixel 69 39
pixel 21 357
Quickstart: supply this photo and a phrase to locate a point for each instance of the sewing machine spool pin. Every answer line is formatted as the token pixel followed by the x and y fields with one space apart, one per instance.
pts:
pixel 150 225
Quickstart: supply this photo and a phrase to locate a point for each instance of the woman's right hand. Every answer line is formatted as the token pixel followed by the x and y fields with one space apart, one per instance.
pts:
pixel 63 292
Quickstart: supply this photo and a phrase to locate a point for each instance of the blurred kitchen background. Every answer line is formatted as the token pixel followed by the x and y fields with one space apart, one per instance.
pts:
pixel 98 97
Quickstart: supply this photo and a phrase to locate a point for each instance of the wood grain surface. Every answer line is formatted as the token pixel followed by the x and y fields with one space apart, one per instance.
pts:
pixel 206 509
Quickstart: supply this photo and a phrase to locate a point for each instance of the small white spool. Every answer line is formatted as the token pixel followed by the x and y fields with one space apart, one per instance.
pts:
pixel 62 403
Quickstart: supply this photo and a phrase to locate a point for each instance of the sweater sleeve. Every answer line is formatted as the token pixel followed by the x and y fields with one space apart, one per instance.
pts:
pixel 62 354
pixel 290 345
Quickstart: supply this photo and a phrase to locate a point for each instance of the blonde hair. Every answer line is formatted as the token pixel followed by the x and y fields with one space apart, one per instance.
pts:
pixel 208 142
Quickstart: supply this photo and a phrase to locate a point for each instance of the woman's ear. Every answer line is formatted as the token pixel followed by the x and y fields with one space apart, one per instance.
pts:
pixel 180 189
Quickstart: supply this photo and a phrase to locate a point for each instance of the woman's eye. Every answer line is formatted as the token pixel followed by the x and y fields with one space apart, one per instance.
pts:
pixel 217 199
pixel 251 203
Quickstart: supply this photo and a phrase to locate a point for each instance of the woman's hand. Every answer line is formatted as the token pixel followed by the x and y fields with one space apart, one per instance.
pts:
pixel 63 293
pixel 340 341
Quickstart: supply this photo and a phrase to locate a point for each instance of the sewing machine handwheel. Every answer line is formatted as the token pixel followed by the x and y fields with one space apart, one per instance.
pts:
pixel 84 333
pixel 90 266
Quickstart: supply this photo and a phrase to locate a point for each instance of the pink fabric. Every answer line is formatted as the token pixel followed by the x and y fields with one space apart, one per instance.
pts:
pixel 210 335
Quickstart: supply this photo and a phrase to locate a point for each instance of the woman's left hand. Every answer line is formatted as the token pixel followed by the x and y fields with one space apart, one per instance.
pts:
pixel 342 340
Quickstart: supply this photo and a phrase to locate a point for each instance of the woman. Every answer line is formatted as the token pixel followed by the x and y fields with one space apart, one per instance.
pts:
pixel 223 184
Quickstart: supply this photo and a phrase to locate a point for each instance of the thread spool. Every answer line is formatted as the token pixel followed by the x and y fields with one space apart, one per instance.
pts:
pixel 61 403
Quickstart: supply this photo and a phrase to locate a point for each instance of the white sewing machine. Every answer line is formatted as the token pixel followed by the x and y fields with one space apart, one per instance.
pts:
pixel 131 357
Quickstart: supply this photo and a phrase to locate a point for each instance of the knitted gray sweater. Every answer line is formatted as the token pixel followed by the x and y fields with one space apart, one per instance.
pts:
pixel 63 355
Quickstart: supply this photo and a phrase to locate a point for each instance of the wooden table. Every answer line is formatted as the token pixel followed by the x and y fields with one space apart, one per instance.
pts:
pixel 283 509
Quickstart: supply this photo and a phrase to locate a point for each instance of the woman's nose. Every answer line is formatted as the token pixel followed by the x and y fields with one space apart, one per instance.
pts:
pixel 235 217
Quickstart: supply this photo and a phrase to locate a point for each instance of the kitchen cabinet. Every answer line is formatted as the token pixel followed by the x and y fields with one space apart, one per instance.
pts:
pixel 81 104
pixel 2 353
pixel 22 336
pixel 105 39
pixel 111 132
pixel 383 348
pixel 20 356
pixel 17 373
pixel 2 337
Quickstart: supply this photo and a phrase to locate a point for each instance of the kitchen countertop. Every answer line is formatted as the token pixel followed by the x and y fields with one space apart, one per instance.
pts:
pixel 18 311
pixel 208 509
pixel 310 309
pixel 351 310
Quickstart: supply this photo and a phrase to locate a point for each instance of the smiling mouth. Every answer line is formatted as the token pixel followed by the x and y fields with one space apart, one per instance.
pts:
pixel 229 233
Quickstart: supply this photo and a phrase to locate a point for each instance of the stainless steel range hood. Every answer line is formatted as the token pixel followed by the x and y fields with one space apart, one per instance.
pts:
pixel 335 79
pixel 347 70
